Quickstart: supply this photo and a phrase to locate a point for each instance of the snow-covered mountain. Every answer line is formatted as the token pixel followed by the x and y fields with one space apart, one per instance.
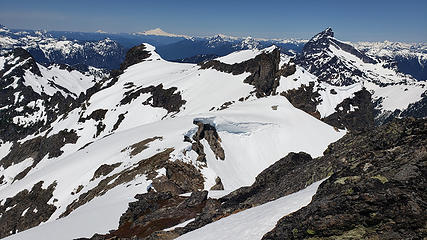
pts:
pixel 162 149
pixel 177 116
pixel 221 45
pixel 47 49
pixel 406 58
pixel 33 96
pixel 340 69
pixel 160 32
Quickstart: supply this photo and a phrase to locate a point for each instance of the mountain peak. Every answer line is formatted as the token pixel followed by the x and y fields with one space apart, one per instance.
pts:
pixel 101 31
pixel 160 32
pixel 327 33
pixel 3 28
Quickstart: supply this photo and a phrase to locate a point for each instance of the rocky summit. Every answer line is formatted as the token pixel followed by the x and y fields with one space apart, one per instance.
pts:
pixel 103 137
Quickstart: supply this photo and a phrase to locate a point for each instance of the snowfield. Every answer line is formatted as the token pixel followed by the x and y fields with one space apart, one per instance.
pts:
pixel 254 134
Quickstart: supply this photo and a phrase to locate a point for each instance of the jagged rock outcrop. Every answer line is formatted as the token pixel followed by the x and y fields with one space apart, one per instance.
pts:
pixel 26 209
pixel 169 99
pixel 165 211
pixel 378 192
pixel 218 184
pixel 104 170
pixel 155 211
pixel 355 113
pixel 304 98
pixel 135 55
pixel 209 133
pixel 264 69
pixel 27 63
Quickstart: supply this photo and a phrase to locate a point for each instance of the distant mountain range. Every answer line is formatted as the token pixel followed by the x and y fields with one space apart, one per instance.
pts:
pixel 107 50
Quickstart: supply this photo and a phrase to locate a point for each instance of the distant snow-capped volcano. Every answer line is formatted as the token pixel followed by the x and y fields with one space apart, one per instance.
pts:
pixel 160 32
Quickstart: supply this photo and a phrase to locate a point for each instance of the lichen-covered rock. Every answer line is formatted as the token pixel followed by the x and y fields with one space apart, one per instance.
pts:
pixel 378 193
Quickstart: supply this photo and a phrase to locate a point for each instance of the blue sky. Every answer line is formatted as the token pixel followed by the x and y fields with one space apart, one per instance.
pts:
pixel 395 20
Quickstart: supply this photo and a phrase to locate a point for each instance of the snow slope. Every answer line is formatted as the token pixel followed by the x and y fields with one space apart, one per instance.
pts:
pixel 253 223
pixel 254 134
pixel 71 83
pixel 243 55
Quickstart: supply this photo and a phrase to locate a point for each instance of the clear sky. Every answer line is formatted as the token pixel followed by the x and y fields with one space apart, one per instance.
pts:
pixel 355 20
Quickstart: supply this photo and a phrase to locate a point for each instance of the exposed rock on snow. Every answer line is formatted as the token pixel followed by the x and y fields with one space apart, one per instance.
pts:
pixel 355 113
pixel 26 209
pixel 378 192
pixel 135 55
pixel 264 69
pixel 209 133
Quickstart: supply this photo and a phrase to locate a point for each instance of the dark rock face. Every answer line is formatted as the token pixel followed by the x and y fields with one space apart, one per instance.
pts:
pixel 29 64
pixel 119 121
pixel 97 115
pixel 38 148
pixel 168 99
pixel 288 175
pixel 418 109
pixel 26 209
pixel 355 113
pixel 208 132
pixel 304 98
pixel 104 170
pixel 317 59
pixel 157 211
pixel 412 65
pixel 377 193
pixel 218 184
pixel 180 178
pixel 135 55
pixel 264 70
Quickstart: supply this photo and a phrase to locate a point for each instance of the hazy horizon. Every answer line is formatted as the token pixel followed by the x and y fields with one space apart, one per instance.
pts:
pixel 362 21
